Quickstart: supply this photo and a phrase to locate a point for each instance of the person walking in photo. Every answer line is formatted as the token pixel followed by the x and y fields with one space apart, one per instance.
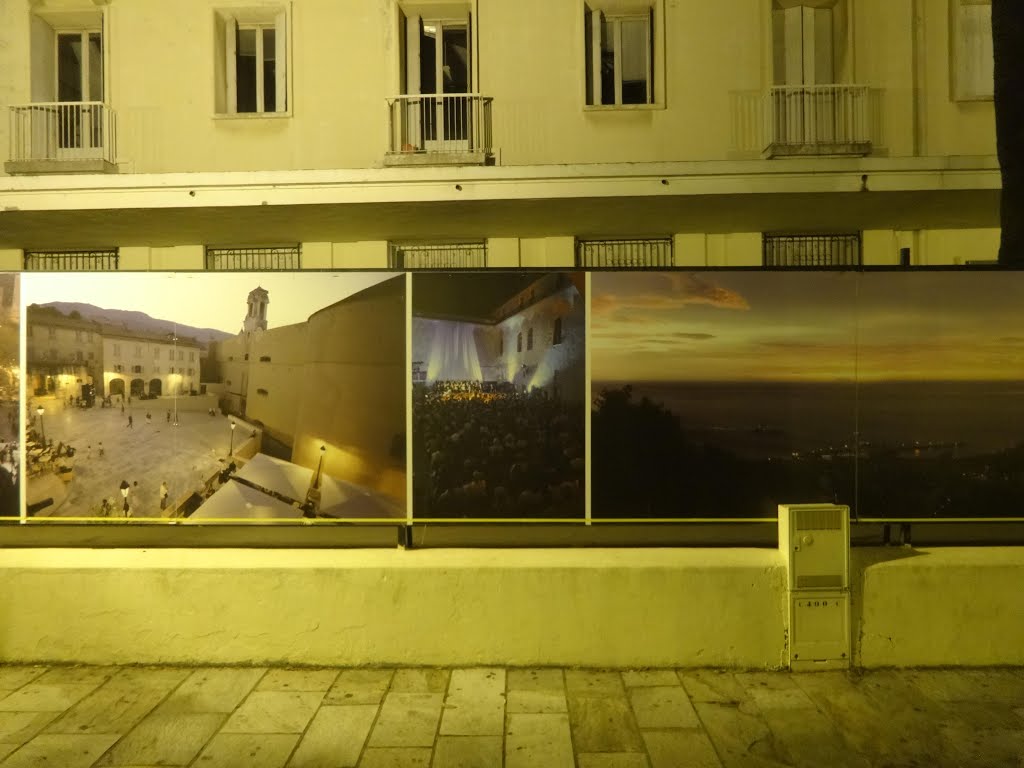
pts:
pixel 163 494
pixel 131 422
pixel 168 416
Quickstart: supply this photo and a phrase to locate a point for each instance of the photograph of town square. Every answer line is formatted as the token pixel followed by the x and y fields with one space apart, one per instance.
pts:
pixel 499 395
pixel 10 378
pixel 215 396
pixel 723 394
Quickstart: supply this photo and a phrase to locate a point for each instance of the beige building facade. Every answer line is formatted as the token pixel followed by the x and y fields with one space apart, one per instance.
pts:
pixel 535 127
pixel 336 381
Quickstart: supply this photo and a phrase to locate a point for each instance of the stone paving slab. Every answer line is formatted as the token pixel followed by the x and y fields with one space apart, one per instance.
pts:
pixel 407 720
pixel 274 712
pixel 164 739
pixel 213 690
pixel 484 717
pixel 538 741
pixel 359 686
pixel 467 752
pixel 396 757
pixel 122 702
pixel 60 750
pixel 252 750
pixel 335 738
pixel 298 680
pixel 603 724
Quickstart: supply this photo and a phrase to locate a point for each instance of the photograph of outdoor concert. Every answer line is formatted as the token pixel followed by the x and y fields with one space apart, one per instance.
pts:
pixel 498 371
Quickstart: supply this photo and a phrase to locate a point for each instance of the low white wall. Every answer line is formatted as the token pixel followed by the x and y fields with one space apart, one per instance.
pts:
pixel 950 606
pixel 587 607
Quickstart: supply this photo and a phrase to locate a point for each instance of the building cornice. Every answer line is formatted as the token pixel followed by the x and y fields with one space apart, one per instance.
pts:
pixel 453 184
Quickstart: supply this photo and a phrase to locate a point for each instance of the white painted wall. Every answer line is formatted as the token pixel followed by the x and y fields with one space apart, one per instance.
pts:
pixel 588 607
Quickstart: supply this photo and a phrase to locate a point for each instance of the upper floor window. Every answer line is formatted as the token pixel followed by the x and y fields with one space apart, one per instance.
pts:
pixel 529 339
pixel 251 60
pixel 470 255
pixel 829 250
pixel 620 253
pixel 254 259
pixel 66 51
pixel 972 50
pixel 71 261
pixel 620 56
pixel 557 335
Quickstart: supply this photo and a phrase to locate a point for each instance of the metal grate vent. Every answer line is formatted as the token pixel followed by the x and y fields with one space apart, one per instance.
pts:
pixel 641 252
pixel 271 258
pixel 811 250
pixel 820 581
pixel 819 519
pixel 72 261
pixel 438 256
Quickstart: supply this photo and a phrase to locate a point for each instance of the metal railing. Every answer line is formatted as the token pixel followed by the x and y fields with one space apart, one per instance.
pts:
pixel 438 256
pixel 63 130
pixel 639 252
pixel 450 123
pixel 811 250
pixel 259 258
pixel 103 260
pixel 833 119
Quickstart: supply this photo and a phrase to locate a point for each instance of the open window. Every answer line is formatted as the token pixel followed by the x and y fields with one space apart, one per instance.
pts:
pixel 621 53
pixel 251 64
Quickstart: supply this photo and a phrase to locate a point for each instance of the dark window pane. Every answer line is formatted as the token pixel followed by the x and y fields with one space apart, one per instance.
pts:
pixel 607 63
pixel 245 70
pixel 269 71
pixel 69 67
pixel 634 61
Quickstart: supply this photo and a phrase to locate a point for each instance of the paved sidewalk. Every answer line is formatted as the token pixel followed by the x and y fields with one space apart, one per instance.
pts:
pixel 228 717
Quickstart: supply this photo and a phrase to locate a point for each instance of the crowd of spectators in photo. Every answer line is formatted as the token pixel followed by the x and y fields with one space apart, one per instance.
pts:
pixel 488 449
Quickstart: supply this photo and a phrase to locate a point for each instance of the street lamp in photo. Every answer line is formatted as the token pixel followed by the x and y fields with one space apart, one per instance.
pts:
pixel 319 466
pixel 40 411
pixel 231 449
pixel 175 383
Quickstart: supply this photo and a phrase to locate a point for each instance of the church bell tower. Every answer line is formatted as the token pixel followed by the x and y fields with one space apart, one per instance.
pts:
pixel 256 316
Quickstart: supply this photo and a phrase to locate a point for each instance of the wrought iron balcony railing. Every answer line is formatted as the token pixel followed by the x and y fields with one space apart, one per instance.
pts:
pixel 450 128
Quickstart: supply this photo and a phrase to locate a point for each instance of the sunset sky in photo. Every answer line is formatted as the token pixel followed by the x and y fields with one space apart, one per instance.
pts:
pixel 773 326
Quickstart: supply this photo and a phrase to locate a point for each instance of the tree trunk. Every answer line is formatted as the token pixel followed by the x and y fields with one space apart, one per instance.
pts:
pixel 1008 50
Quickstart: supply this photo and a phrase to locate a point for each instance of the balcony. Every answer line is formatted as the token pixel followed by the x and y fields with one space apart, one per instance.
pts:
pixel 439 129
pixel 817 120
pixel 62 137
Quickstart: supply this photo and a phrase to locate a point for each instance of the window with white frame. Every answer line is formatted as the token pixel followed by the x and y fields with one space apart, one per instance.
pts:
pixel 625 253
pixel 251 63
pixel 972 50
pixel 619 45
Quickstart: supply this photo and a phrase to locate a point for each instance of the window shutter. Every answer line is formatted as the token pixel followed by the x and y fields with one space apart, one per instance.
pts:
pixel 231 63
pixel 281 61
pixel 650 55
pixel 42 46
pixel 588 54
pixel 595 61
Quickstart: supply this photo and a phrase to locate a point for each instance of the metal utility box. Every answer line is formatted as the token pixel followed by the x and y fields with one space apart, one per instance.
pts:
pixel 819 630
pixel 815 539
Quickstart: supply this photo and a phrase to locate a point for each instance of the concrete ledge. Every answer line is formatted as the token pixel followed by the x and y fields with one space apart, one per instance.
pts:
pixel 588 607
pixel 954 606
pixel 79 165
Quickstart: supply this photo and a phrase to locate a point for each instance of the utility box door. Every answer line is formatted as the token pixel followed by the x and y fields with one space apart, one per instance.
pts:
pixel 815 539
pixel 819 630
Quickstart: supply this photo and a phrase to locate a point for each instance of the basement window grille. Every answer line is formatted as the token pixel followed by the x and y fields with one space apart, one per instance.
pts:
pixel 94 260
pixel 263 259
pixel 625 254
pixel 811 250
pixel 438 256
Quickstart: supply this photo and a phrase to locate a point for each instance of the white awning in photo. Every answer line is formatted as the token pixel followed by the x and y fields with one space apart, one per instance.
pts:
pixel 236 501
